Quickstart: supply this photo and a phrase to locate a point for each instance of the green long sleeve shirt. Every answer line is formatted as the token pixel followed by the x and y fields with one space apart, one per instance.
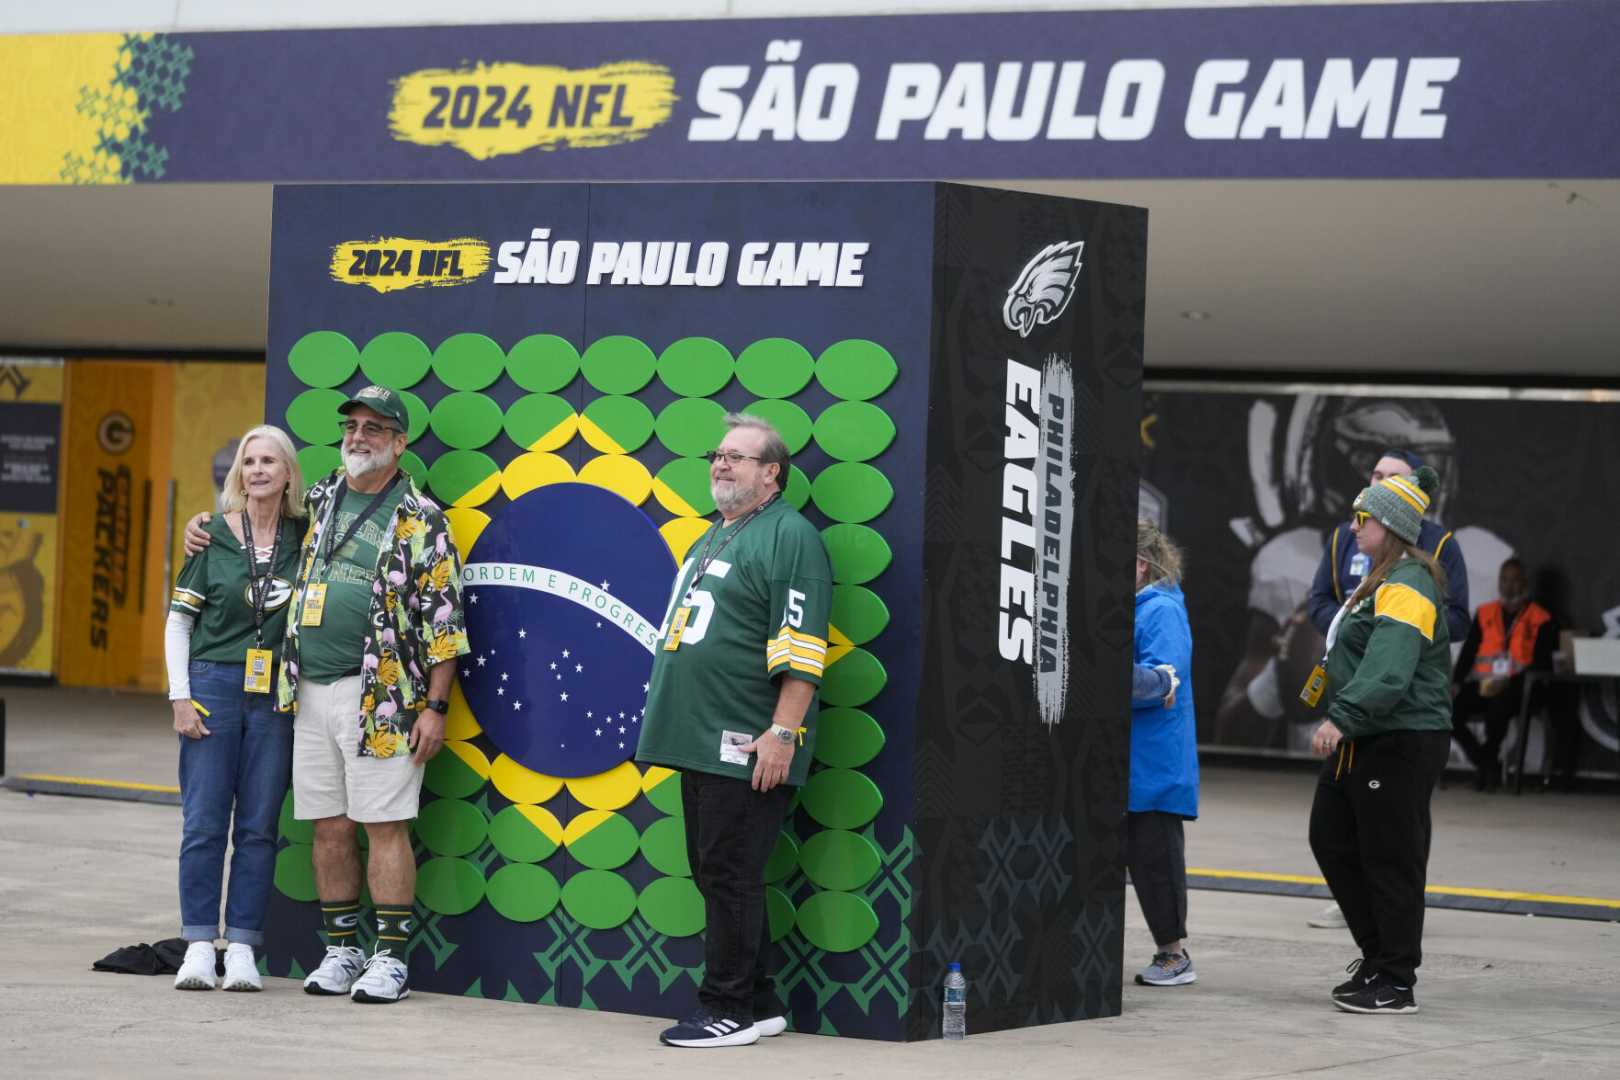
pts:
pixel 1390 665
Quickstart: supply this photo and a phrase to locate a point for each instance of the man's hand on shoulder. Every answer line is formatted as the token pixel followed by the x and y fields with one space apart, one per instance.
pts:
pixel 197 537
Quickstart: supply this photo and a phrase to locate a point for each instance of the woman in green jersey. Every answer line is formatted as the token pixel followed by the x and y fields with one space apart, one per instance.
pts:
pixel 1386 738
pixel 221 643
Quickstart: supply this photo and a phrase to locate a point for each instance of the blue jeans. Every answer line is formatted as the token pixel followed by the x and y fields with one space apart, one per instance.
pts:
pixel 245 760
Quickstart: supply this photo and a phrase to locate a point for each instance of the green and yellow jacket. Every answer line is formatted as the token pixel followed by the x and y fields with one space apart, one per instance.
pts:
pixel 1390 665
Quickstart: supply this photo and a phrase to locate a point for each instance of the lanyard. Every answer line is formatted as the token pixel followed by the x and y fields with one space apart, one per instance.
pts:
pixel 705 558
pixel 360 519
pixel 259 588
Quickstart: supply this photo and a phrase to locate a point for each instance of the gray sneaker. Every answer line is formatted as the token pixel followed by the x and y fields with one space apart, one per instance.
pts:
pixel 338 971
pixel 1168 969
pixel 1329 918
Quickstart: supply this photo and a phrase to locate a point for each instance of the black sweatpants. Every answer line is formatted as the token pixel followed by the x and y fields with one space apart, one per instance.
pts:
pixel 1370 832
pixel 1156 853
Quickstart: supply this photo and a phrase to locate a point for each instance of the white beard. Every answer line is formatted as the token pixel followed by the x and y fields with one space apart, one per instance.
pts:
pixel 732 497
pixel 358 465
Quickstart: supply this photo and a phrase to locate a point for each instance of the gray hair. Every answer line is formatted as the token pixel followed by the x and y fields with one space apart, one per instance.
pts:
pixel 772 449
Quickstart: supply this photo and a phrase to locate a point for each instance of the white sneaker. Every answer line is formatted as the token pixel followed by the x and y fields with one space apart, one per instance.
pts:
pixel 1329 918
pixel 383 982
pixel 337 972
pixel 197 969
pixel 241 969
pixel 771 1026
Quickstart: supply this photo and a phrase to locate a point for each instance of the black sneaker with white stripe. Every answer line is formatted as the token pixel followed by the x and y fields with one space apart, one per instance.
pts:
pixel 705 1029
pixel 1358 980
pixel 1379 996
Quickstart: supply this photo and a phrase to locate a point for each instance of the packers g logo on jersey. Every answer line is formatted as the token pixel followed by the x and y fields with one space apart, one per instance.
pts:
pixel 280 593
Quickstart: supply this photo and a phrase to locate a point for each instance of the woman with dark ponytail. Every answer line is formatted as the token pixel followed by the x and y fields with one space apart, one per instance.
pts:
pixel 1386 737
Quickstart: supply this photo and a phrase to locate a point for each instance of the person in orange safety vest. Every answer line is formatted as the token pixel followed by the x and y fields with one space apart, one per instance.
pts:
pixel 1508 637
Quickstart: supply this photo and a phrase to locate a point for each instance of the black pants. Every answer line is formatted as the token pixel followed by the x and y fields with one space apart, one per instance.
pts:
pixel 731 830
pixel 1370 832
pixel 1156 853
pixel 1497 713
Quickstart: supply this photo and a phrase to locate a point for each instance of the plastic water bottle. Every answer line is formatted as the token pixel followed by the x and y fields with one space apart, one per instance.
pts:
pixel 955 1016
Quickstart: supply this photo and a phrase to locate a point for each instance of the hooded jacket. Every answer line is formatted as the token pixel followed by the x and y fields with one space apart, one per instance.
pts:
pixel 1164 742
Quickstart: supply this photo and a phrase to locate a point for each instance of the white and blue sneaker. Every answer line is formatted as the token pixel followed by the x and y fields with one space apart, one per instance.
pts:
pixel 336 975
pixel 1168 969
pixel 383 982
pixel 705 1029
pixel 771 1026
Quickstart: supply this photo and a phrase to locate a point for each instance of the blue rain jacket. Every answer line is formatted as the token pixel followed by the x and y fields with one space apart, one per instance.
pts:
pixel 1164 748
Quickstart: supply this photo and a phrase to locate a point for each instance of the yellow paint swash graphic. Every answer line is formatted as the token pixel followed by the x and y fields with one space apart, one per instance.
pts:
pixel 389 263
pixel 488 110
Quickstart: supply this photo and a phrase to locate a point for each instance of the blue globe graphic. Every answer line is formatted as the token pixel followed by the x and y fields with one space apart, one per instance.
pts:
pixel 565 590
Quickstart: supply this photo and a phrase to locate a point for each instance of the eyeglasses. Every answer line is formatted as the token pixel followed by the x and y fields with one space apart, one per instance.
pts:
pixel 1362 517
pixel 368 429
pixel 731 457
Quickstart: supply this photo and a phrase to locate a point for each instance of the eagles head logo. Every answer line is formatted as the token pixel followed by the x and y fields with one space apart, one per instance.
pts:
pixel 1044 288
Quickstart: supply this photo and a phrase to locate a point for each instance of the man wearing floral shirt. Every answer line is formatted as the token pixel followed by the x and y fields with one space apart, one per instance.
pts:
pixel 373 630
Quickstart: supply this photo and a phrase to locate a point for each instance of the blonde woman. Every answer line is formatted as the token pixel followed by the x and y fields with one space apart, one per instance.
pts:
pixel 1164 757
pixel 222 643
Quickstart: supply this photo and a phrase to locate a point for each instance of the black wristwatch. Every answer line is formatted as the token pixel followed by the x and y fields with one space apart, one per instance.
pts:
pixel 438 705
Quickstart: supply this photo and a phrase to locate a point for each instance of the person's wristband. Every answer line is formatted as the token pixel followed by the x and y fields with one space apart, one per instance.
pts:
pixel 438 705
pixel 786 735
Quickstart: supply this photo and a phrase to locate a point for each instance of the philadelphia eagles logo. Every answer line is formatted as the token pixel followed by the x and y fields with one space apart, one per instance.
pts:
pixel 1044 289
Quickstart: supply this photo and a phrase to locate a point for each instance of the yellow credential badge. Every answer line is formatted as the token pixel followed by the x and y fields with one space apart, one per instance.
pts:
pixel 387 263
pixel 492 109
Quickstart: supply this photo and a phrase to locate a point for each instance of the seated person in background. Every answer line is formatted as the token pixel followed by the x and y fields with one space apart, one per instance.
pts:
pixel 1507 638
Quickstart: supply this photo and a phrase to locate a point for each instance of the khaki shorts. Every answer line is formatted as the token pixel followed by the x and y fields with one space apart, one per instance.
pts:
pixel 329 777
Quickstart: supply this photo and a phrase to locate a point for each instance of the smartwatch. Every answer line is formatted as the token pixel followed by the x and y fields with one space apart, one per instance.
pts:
pixel 438 705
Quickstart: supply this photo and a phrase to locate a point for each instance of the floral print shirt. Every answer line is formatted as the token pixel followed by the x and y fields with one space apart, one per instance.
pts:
pixel 416 617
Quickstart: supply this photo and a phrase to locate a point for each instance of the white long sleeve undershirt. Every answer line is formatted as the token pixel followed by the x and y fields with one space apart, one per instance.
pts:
pixel 177 653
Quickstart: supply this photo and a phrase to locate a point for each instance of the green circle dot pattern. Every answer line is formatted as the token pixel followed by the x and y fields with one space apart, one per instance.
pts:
pixel 790 421
pixel 449 886
pixel 448 777
pixel 696 367
pixel 516 838
pixel 779 912
pixel 600 899
pixel 841 798
pixel 856 369
pixel 466 421
pixel 412 463
pixel 608 846
pixel 313 417
pixel 858 553
pixel 691 427
pixel 858 612
pixel 315 462
pixel 837 922
pixel 688 481
pixel 663 845
pixel 839 859
pixel 417 415
pixel 854 431
pixel 323 358
pixel 451 827
pixel 459 472
pixel 468 361
pixel 299 832
pixel 851 492
pixel 295 872
pixel 854 680
pixel 624 420
pixel 847 738
pixel 784 857
pixel 666 795
pixel 523 893
pixel 543 363
pixel 797 492
pixel 532 418
pixel 672 906
pixel 396 360
pixel 618 364
pixel 775 368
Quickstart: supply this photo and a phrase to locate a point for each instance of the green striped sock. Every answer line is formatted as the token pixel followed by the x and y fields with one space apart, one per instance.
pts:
pixel 394 928
pixel 341 920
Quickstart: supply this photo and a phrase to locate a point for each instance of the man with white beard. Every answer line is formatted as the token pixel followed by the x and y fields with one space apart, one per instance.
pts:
pixel 373 630
pixel 732 705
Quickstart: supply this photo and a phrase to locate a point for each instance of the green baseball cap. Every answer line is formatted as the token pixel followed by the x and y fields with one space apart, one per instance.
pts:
pixel 382 401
